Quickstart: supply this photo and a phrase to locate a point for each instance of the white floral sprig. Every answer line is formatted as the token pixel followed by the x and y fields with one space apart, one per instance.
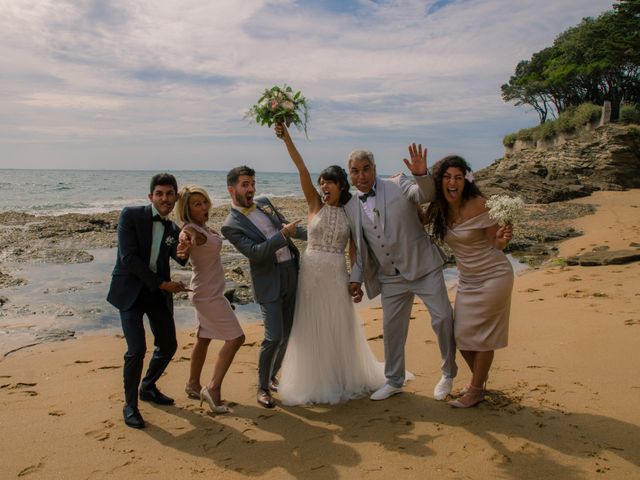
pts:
pixel 280 105
pixel 505 209
pixel 469 176
pixel 267 210
pixel 170 241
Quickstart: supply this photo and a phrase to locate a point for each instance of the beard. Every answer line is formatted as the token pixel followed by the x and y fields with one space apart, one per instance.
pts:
pixel 242 201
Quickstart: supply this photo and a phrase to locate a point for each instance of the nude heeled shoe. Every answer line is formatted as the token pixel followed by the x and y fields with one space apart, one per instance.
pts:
pixel 205 396
pixel 192 392
pixel 472 397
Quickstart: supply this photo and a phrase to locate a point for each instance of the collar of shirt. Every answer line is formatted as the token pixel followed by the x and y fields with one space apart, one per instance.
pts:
pixel 155 212
pixel 373 189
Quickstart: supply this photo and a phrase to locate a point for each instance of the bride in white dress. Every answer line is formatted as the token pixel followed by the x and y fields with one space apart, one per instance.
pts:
pixel 328 359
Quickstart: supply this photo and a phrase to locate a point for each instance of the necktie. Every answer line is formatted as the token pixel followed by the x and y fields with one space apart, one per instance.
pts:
pixel 249 209
pixel 364 196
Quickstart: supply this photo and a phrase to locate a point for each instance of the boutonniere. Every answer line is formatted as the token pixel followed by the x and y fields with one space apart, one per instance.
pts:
pixel 267 209
pixel 169 241
pixel 376 212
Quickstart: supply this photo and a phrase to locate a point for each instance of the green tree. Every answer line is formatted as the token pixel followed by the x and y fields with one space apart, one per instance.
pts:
pixel 597 60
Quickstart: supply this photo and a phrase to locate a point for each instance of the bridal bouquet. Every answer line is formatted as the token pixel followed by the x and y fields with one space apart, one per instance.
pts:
pixel 505 209
pixel 281 105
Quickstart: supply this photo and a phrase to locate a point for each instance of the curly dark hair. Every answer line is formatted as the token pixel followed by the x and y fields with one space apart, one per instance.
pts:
pixel 337 174
pixel 438 210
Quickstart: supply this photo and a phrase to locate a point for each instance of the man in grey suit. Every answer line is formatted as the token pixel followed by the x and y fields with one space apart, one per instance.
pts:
pixel 396 258
pixel 261 234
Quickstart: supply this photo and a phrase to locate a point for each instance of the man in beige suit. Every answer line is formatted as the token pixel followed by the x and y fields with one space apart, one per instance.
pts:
pixel 396 258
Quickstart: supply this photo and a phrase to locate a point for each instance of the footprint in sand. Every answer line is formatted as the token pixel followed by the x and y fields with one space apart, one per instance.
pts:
pixel 399 419
pixel 109 367
pixel 100 434
pixel 632 322
pixel 20 386
pixel 500 459
pixel 31 469
pixel 57 413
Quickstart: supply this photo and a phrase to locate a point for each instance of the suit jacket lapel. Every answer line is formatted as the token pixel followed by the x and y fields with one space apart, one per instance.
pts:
pixel 270 213
pixel 246 223
pixel 147 230
pixel 356 211
pixel 380 200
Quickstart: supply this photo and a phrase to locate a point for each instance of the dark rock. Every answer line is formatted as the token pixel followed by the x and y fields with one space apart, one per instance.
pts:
pixel 605 257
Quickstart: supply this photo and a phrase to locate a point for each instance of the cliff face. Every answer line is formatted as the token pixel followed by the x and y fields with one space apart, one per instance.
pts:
pixel 605 158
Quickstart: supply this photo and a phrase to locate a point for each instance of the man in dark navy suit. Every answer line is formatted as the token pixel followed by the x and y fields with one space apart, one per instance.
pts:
pixel 141 284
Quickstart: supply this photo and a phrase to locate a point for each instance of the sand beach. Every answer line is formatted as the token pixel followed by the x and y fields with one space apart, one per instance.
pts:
pixel 563 397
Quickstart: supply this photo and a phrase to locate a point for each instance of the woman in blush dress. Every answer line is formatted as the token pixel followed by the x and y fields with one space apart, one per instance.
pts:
pixel 328 359
pixel 214 314
pixel 459 217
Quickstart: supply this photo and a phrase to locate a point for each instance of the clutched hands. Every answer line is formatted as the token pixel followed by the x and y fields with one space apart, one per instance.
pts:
pixel 355 290
pixel 174 287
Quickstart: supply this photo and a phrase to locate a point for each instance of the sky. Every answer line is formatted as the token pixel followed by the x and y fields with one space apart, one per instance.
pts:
pixel 165 84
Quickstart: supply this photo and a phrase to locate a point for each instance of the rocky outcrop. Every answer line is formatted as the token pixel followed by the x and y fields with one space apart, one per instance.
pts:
pixel 605 158
pixel 602 256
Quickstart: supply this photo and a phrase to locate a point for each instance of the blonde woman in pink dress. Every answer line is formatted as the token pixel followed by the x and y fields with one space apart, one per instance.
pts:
pixel 459 217
pixel 215 317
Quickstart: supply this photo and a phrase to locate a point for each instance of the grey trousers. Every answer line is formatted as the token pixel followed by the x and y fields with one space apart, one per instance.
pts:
pixel 397 296
pixel 278 320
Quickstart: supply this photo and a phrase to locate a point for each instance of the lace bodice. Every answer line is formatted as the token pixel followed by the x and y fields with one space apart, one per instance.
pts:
pixel 328 231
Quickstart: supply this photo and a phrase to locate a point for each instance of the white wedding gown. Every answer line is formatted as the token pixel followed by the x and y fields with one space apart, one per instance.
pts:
pixel 328 359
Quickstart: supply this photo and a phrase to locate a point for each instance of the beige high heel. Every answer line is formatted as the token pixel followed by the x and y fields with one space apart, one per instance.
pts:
pixel 472 397
pixel 191 393
pixel 205 396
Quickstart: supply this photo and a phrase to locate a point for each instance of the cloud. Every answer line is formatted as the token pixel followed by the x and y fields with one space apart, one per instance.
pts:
pixel 182 73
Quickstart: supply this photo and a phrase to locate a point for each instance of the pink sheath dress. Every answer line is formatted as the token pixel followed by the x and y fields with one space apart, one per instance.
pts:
pixel 483 300
pixel 214 314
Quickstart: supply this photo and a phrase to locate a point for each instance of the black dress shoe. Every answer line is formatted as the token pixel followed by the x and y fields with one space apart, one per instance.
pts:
pixel 265 399
pixel 273 385
pixel 132 417
pixel 156 396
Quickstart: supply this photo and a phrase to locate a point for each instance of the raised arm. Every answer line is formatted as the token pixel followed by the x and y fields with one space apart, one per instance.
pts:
pixel 311 195
pixel 424 189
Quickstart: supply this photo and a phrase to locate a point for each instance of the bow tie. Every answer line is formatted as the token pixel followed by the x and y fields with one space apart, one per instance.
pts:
pixel 364 196
pixel 158 218
pixel 249 209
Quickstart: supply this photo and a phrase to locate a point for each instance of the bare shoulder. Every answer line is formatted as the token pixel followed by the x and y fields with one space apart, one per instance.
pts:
pixel 477 205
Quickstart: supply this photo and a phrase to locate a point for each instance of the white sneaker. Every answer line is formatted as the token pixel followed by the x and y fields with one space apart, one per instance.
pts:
pixel 385 392
pixel 443 388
